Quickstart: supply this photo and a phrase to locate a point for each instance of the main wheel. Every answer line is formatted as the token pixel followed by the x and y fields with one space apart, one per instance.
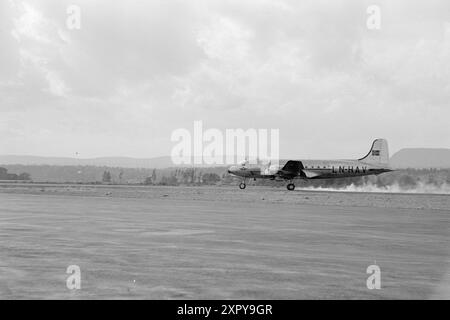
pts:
pixel 242 186
pixel 290 186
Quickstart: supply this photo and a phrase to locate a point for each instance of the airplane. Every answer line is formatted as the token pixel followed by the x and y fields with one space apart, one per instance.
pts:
pixel 374 163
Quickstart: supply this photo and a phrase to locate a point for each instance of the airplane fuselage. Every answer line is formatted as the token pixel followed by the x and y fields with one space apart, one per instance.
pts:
pixel 312 169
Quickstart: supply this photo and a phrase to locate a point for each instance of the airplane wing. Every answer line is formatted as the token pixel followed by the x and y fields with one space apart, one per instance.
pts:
pixel 310 173
pixel 291 169
pixel 294 168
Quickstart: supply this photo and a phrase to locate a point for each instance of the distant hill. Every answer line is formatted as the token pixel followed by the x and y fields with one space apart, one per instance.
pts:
pixel 113 162
pixel 122 162
pixel 405 158
pixel 421 158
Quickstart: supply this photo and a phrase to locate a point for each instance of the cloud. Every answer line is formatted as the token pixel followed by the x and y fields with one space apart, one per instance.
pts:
pixel 37 47
pixel 135 71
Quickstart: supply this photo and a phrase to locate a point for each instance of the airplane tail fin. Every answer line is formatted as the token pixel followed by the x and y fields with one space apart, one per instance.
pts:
pixel 378 154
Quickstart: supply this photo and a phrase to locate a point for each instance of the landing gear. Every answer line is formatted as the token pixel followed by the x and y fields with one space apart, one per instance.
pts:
pixel 242 185
pixel 290 186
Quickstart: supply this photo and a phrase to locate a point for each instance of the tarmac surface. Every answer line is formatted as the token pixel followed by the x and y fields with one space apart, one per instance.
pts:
pixel 220 243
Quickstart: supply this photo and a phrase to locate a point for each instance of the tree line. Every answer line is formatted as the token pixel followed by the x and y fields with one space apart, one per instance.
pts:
pixel 405 178
pixel 4 175
pixel 179 176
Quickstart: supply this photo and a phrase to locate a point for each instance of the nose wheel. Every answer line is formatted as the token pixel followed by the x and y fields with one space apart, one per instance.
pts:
pixel 242 186
pixel 290 186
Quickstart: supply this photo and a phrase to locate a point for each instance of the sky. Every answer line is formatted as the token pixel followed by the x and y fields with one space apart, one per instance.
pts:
pixel 135 71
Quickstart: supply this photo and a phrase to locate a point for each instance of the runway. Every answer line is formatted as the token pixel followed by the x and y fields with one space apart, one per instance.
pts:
pixel 220 243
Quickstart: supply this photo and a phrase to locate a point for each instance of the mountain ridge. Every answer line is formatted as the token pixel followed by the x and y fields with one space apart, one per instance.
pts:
pixel 404 158
pixel 421 158
pixel 125 162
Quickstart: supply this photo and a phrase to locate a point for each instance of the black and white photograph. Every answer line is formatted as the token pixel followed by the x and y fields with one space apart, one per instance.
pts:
pixel 216 150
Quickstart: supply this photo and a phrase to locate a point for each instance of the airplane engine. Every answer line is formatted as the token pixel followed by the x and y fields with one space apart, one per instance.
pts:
pixel 273 169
